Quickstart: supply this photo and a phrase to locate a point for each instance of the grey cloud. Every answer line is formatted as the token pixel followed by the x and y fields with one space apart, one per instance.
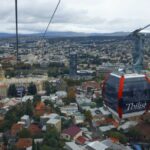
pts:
pixel 75 15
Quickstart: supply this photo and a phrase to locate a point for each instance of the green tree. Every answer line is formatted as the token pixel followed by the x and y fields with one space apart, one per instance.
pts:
pixel 10 73
pixel 99 102
pixel 88 116
pixel 12 116
pixel 28 108
pixel 51 137
pixel 66 123
pixel 93 105
pixel 33 145
pixel 47 88
pixel 12 91
pixel 52 88
pixel 134 133
pixel 71 95
pixel 36 99
pixel 122 138
pixel 46 147
pixel 38 146
pixel 32 90
pixel 24 133
pixel 36 118
pixel 52 72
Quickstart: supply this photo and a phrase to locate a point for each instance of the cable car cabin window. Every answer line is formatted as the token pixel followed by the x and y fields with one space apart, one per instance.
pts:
pixel 111 92
pixel 136 89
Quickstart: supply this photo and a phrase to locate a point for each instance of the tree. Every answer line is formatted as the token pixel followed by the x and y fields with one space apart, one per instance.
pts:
pixel 36 99
pixel 134 133
pixel 32 90
pixel 45 147
pixel 12 116
pixel 24 133
pixel 66 123
pixel 122 138
pixel 33 145
pixel 93 105
pixel 88 116
pixel 47 88
pixel 51 137
pixel 28 108
pixel 52 88
pixel 99 102
pixel 36 118
pixel 10 73
pixel 71 94
pixel 12 91
pixel 53 72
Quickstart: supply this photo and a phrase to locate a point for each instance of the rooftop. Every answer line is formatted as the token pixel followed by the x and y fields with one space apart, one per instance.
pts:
pixel 72 131
pixel 131 75
pixel 24 143
pixel 96 145
pixel 73 146
pixel 53 121
pixel 34 129
pixel 25 117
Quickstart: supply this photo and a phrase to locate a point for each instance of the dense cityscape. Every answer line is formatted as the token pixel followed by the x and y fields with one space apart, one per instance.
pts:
pixel 78 79
pixel 52 99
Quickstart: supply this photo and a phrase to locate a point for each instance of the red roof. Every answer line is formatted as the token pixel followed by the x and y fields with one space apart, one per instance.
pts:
pixel 114 140
pixel 40 106
pixel 115 123
pixel 24 143
pixel 72 131
pixel 34 129
pixel 81 140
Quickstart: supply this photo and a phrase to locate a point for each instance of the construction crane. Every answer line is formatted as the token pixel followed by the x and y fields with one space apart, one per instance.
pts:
pixel 137 52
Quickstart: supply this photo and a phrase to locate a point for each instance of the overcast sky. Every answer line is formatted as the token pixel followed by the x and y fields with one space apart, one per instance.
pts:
pixel 75 15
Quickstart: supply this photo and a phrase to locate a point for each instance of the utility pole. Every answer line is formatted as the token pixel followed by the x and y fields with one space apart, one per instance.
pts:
pixel 16 16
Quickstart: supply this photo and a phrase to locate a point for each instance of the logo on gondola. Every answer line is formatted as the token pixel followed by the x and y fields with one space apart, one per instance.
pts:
pixel 136 106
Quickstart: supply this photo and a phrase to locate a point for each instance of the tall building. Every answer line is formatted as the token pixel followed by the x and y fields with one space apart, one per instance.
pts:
pixel 73 64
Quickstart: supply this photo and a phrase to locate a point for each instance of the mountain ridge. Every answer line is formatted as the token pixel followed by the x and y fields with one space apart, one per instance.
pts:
pixel 65 34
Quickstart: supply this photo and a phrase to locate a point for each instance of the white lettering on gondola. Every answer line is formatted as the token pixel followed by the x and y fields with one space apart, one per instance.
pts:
pixel 136 106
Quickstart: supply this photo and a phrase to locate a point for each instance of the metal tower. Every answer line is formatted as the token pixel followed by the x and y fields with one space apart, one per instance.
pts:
pixel 137 52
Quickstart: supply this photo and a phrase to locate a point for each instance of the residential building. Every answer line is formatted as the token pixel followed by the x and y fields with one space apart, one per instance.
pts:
pixel 26 120
pixel 96 145
pixel 69 109
pixel 56 123
pixel 46 117
pixel 72 146
pixel 78 118
pixel 72 132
